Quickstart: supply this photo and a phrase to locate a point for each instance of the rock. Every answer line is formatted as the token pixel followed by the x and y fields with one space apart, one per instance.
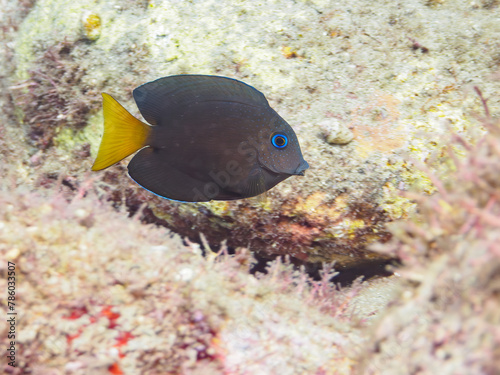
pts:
pixel 386 98
pixel 335 133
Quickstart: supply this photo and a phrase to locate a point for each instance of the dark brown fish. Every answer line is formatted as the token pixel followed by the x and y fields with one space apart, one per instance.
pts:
pixel 212 138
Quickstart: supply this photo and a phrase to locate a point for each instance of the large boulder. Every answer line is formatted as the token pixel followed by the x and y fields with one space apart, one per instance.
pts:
pixel 367 87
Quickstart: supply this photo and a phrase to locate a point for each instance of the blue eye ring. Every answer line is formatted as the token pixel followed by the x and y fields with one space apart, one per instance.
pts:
pixel 279 140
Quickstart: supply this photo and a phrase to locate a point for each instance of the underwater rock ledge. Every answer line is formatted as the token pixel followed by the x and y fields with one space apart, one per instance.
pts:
pixel 362 99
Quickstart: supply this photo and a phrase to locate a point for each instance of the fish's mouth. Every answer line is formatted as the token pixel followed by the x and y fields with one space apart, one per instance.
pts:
pixel 300 171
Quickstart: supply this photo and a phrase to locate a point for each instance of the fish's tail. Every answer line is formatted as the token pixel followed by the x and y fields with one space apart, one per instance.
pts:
pixel 123 134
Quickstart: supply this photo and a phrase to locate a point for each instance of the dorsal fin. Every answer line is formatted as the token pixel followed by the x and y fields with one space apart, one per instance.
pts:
pixel 167 96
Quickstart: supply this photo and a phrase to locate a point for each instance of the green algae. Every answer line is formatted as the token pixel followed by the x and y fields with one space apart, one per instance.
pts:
pixel 55 26
pixel 68 139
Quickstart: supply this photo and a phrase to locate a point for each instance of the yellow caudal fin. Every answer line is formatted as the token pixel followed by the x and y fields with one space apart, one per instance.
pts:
pixel 123 134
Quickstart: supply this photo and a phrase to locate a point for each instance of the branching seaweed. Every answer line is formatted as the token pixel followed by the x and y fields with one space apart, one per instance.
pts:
pixel 451 252
pixel 54 95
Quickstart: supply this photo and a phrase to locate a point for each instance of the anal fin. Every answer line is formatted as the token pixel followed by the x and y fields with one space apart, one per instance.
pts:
pixel 150 169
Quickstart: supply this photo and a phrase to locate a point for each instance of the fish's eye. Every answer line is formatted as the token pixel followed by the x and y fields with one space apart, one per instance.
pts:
pixel 279 140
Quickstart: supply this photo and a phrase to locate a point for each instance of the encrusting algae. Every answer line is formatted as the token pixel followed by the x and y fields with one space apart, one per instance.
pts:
pixel 103 293
pixel 91 26
pixel 332 73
